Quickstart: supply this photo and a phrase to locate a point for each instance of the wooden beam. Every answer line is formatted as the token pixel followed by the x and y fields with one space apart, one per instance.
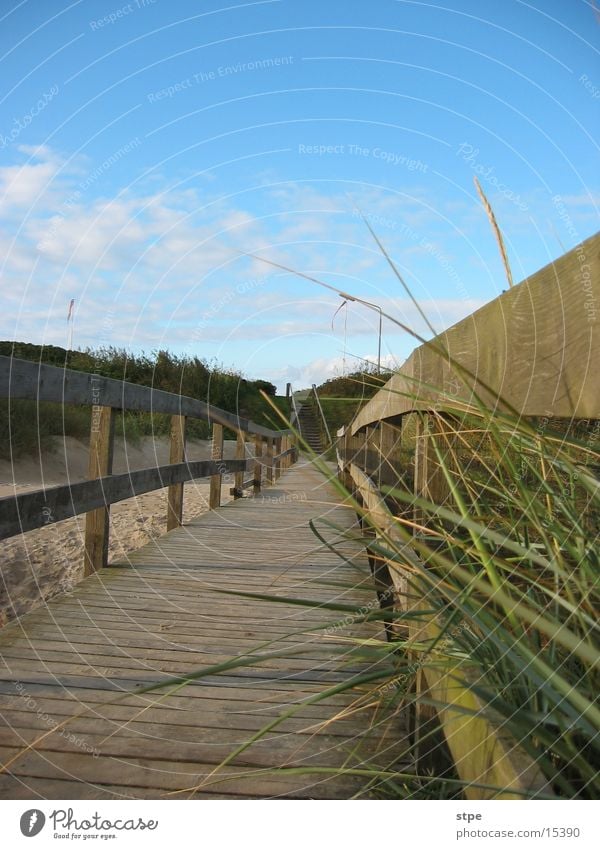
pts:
pixel 177 455
pixel 269 458
pixel 482 750
pixel 536 346
pixel 240 454
pixel 430 482
pixel 100 461
pixel 284 448
pixel 34 381
pixel 389 448
pixel 277 458
pixel 258 466
pixel 30 510
pixel 216 455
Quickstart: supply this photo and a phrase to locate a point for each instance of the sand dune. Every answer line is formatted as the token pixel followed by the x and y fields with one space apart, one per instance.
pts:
pixel 41 563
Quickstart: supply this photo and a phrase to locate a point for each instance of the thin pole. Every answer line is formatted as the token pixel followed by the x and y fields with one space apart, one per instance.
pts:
pixel 372 306
pixel 379 348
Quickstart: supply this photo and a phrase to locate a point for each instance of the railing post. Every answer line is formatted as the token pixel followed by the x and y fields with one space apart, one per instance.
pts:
pixel 97 522
pixel 269 440
pixel 176 455
pixel 258 466
pixel 364 443
pixel 389 444
pixel 369 437
pixel 345 451
pixel 286 447
pixel 277 470
pixel 422 449
pixel 216 454
pixel 429 483
pixel 240 454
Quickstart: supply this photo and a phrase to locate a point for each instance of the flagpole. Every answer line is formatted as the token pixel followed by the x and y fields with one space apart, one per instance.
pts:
pixel 70 322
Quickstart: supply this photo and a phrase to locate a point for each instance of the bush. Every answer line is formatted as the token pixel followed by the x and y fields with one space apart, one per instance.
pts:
pixel 28 426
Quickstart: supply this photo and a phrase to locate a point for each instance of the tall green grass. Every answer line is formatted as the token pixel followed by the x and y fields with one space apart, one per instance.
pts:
pixel 512 555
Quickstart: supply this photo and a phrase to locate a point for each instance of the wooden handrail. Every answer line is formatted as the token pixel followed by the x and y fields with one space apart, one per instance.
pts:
pixel 30 510
pixel 534 350
pixel 536 346
pixel 22 379
pixel 25 380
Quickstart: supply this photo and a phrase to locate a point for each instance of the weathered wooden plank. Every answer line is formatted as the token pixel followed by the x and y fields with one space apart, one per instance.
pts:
pixel 318 659
pixel 269 459
pixel 300 748
pixel 283 455
pixel 216 453
pixel 240 454
pixel 38 382
pixel 176 455
pixel 30 510
pixel 100 465
pixel 128 626
pixel 170 776
pixel 536 346
pixel 258 465
pixel 390 435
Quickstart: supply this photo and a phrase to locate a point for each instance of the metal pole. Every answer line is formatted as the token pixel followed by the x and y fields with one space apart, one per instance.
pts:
pixel 379 348
pixel 348 297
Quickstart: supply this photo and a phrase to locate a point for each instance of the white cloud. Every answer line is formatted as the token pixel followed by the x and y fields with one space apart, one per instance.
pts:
pixel 324 368
pixel 25 186
pixel 164 266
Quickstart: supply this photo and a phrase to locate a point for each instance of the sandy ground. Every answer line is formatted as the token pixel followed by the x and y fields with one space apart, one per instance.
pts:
pixel 41 563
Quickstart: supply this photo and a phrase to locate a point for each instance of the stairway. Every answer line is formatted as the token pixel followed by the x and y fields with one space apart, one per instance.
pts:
pixel 309 428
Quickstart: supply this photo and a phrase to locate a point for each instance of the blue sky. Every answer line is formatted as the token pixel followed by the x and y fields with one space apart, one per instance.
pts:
pixel 146 147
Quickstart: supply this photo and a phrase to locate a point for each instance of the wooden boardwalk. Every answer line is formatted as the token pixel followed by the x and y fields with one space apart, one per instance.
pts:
pixel 70 670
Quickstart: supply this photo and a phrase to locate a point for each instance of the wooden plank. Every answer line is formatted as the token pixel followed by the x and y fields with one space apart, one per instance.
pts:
pixel 177 455
pixel 258 465
pixel 246 703
pixel 38 382
pixel 269 458
pixel 240 454
pixel 127 626
pixel 277 459
pixel 166 775
pixel 429 481
pixel 31 510
pixel 99 465
pixel 216 453
pixel 284 457
pixel 300 748
pixel 481 748
pixel 536 346
pixel 390 435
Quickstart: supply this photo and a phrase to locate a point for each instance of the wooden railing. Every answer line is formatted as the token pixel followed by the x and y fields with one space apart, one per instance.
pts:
pixel 320 415
pixel 534 350
pixel 21 379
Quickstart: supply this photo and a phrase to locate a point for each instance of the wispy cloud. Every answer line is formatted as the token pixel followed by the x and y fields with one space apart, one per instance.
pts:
pixel 161 265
